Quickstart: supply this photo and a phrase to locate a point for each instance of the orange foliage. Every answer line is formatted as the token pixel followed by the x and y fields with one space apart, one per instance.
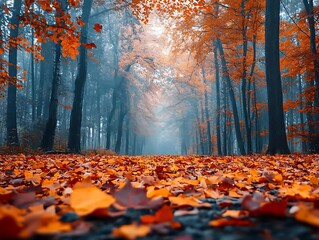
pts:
pixel 96 186
pixel 63 29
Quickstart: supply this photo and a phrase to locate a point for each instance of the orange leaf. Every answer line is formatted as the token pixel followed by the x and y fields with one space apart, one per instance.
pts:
pixel 10 222
pixel 85 199
pixel 307 215
pixel 164 214
pixel 230 222
pixel 132 231
pixel 187 201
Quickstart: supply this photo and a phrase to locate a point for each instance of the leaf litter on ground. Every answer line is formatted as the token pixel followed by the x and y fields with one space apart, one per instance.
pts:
pixel 149 196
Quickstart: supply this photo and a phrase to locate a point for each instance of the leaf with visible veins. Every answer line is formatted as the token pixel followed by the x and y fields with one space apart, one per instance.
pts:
pixel 131 197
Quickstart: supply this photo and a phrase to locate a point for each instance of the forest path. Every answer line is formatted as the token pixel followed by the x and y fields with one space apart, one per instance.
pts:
pixel 159 197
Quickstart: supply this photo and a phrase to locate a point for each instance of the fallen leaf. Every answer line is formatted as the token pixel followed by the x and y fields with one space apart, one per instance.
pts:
pixel 132 231
pixel 187 201
pixel 222 222
pixel 235 213
pixel 131 197
pixel 86 199
pixel 164 214
pixel 307 215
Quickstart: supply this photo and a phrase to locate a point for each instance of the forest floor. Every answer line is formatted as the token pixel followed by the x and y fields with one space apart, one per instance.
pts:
pixel 159 197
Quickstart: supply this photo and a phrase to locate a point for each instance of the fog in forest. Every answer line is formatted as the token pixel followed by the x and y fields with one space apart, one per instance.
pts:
pixel 87 76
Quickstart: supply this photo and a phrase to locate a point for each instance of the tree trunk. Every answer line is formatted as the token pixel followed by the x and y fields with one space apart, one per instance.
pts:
pixel 127 136
pixel 209 135
pixel 74 141
pixel 244 79
pixel 120 128
pixel 218 110
pixel 301 115
pixel 314 142
pixel 49 132
pixel 12 133
pixel 232 99
pixel 277 131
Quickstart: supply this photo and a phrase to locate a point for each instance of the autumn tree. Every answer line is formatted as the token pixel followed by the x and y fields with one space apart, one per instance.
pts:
pixel 76 114
pixel 12 133
pixel 49 132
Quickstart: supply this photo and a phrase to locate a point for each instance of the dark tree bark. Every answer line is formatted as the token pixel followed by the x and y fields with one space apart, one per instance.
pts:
pixel 12 133
pixel 218 110
pixel 239 138
pixel 209 135
pixel 46 67
pixel 74 143
pixel 245 99
pixel 277 131
pixel 314 142
pixel 33 81
pixel 122 115
pixel 49 132
pixel 301 115
pixel 127 136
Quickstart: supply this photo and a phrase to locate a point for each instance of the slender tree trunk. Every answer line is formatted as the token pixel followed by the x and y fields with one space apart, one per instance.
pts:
pixel 110 117
pixel 12 133
pixel 301 116
pixel 244 78
pixel 314 144
pixel 50 128
pixel 251 78
pixel 49 132
pixel 122 115
pixel 127 136
pixel 218 110
pixel 239 138
pixel 257 132
pixel 209 134
pixel 33 112
pixel 74 143
pixel 277 131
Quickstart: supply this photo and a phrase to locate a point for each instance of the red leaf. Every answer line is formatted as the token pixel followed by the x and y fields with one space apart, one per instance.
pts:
pixel 164 214
pixel 257 206
pixel 90 45
pixel 98 27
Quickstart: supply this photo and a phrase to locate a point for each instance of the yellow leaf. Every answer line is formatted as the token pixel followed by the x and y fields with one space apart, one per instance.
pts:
pixel 86 199
pixel 314 181
pixel 187 201
pixel 132 231
pixel 29 176
pixel 307 215
pixel 213 194
pixel 163 192
pixel 235 213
